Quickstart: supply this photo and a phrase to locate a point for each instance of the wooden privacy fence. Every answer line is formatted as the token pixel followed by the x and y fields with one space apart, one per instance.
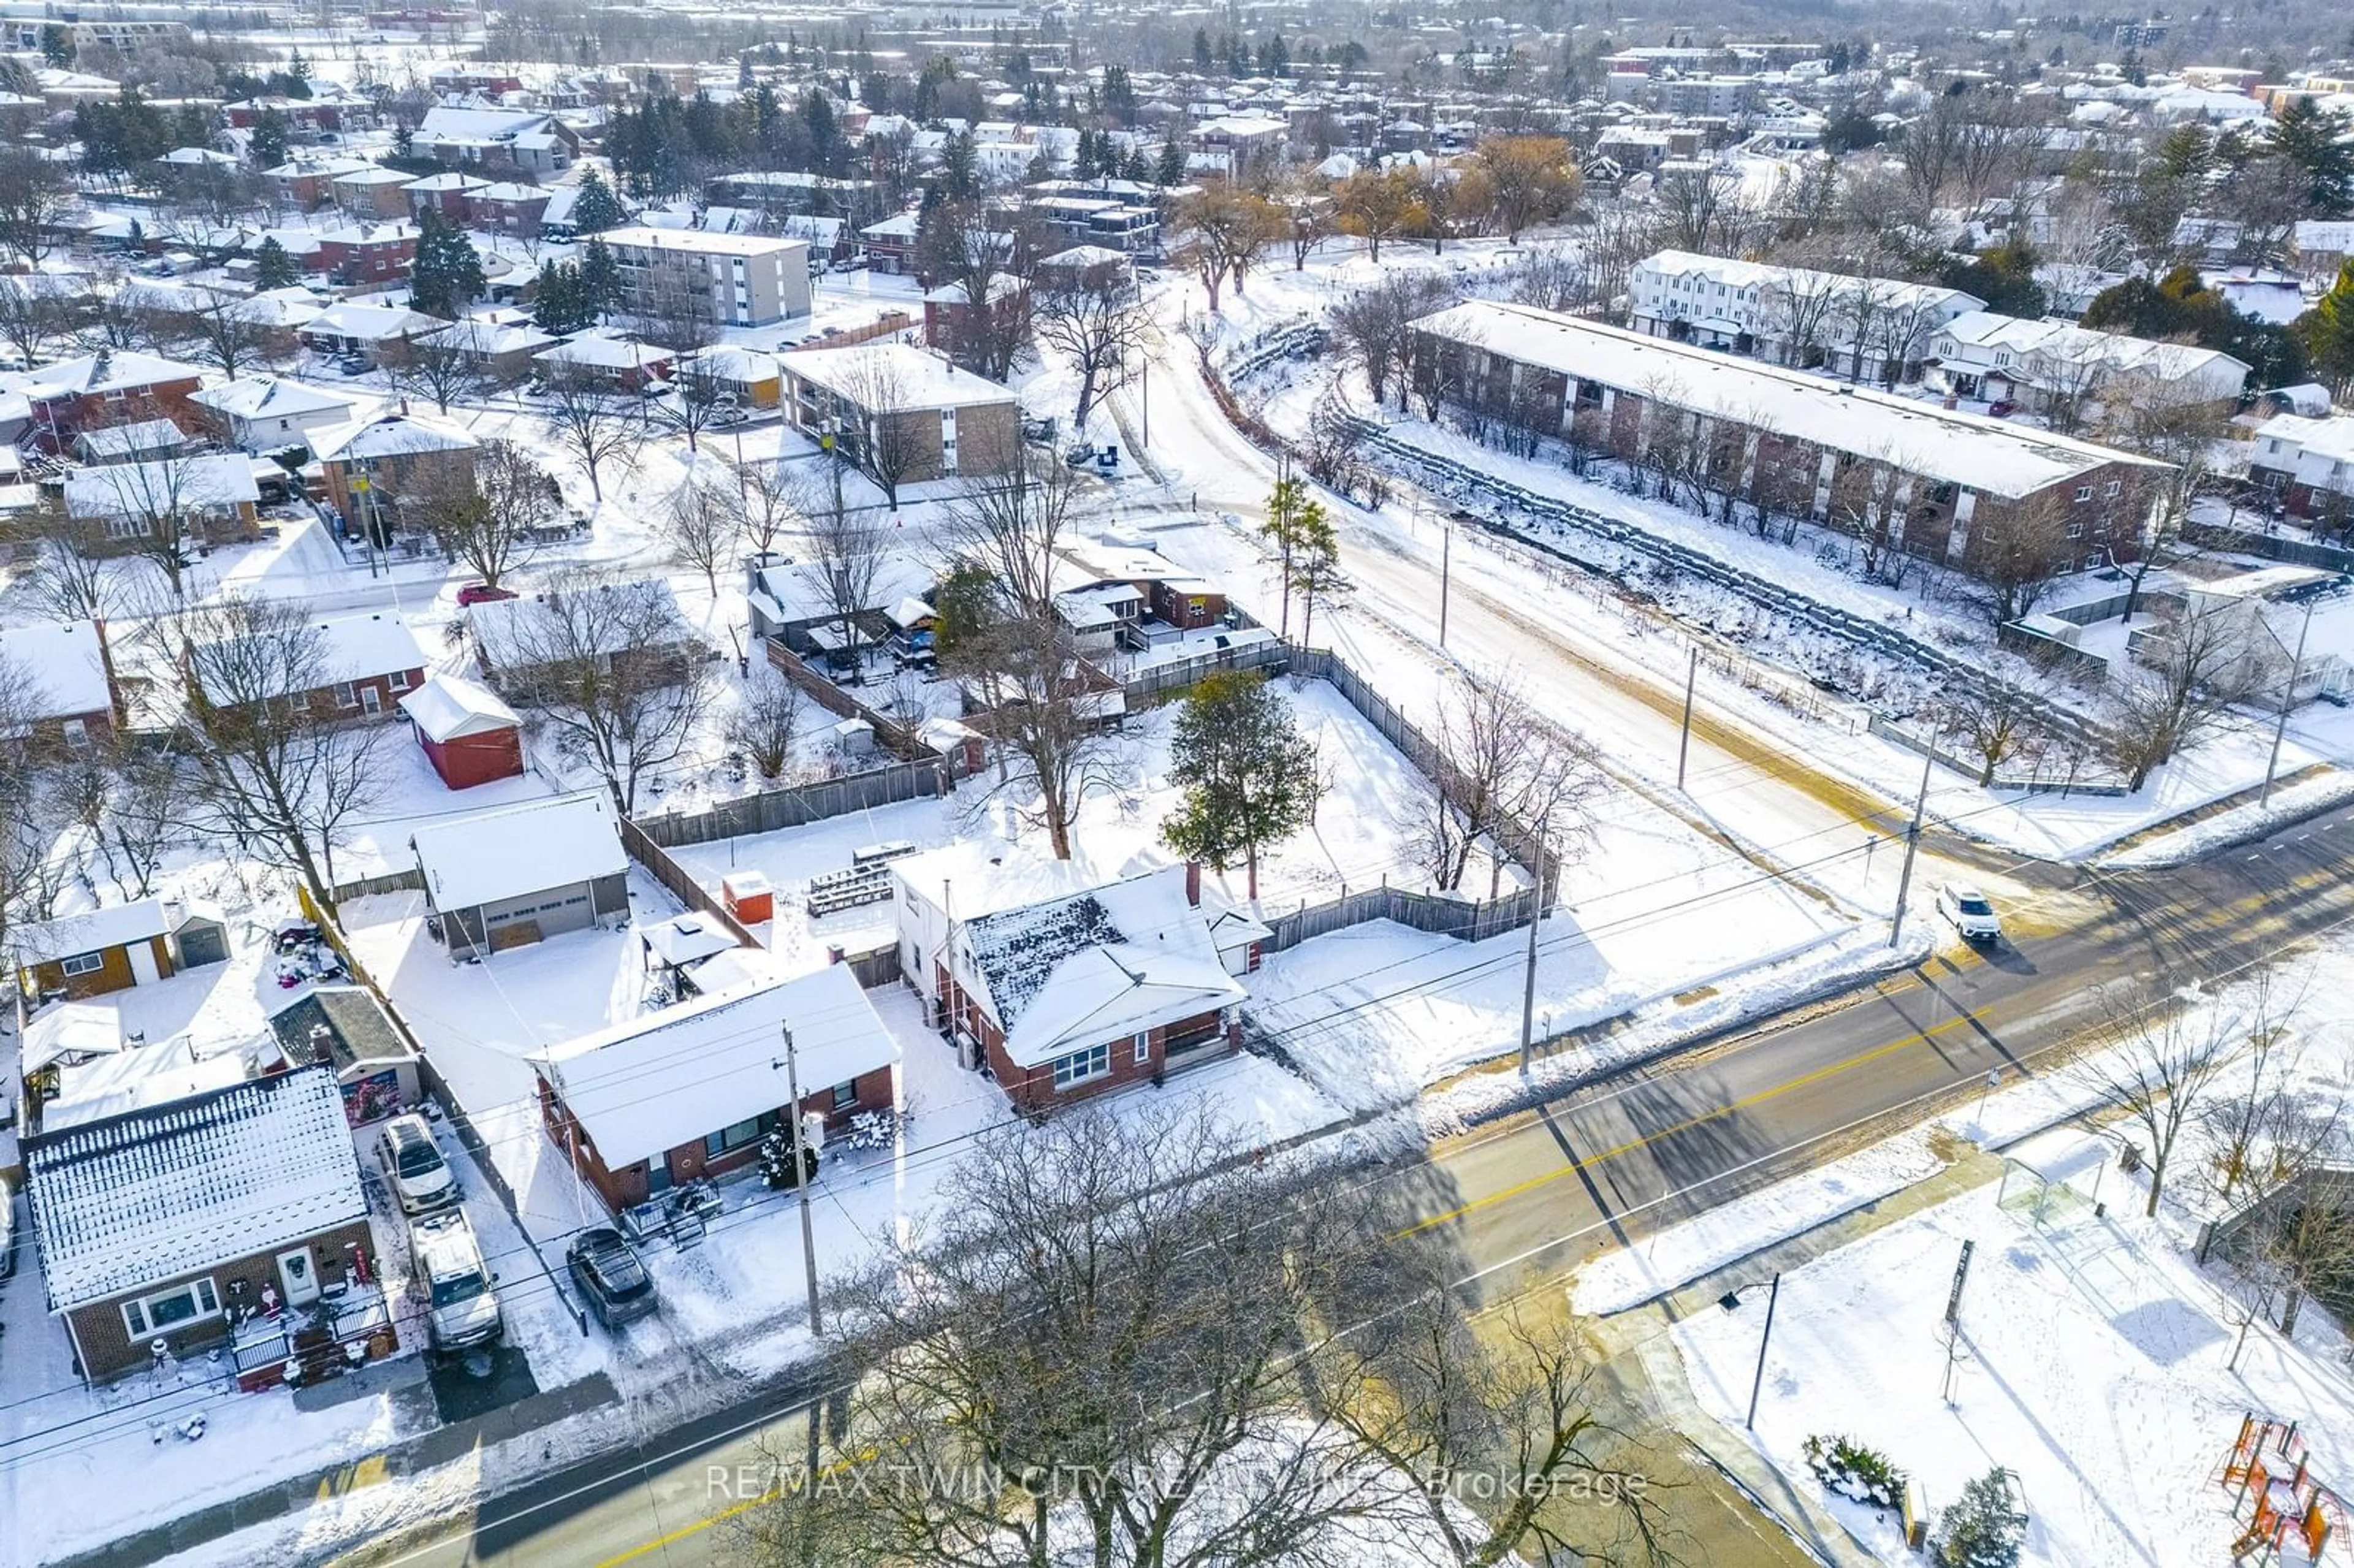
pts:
pixel 682 885
pixel 800 805
pixel 1465 920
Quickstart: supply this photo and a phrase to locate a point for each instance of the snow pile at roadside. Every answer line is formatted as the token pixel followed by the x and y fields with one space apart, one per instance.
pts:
pixel 2238 825
pixel 1684 1253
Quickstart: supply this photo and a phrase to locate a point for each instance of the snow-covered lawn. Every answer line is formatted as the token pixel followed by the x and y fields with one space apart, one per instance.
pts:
pixel 1359 837
pixel 2093 1362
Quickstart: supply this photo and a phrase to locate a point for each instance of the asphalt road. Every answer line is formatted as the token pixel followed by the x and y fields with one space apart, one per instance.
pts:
pixel 1526 1198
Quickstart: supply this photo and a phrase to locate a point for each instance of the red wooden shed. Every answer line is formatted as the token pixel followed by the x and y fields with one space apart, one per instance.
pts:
pixel 470 736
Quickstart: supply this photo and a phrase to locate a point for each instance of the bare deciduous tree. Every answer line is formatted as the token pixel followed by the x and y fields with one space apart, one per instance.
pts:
pixel 2179 687
pixel 1105 1334
pixel 489 519
pixel 701 526
pixel 272 768
pixel 1101 329
pixel 2156 1059
pixel 1499 765
pixel 1372 325
pixel 611 667
pixel 767 720
pixel 1011 524
pixel 594 424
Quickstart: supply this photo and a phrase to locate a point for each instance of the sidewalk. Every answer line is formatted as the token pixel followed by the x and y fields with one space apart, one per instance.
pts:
pixel 1640 1336
pixel 438 1446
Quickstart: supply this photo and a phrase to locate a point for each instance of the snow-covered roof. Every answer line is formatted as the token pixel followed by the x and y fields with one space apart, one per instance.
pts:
pixel 505 854
pixel 167 484
pixel 603 352
pixel 1095 965
pixel 483 337
pixel 649 1084
pixel 90 932
pixel 2041 346
pixel 1887 295
pixel 71 1031
pixel 2330 436
pixel 267 396
pixel 370 323
pixel 110 443
pixel 684 939
pixel 178 1188
pixel 350 648
pixel 702 242
pixel 511 630
pixel 911 377
pixel 137 1076
pixel 393 435
pixel 448 706
pixel 1991 455
pixel 797 590
pixel 109 370
pixel 66 664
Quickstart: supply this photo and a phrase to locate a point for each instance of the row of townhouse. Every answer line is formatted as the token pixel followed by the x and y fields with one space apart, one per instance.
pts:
pixel 1943 483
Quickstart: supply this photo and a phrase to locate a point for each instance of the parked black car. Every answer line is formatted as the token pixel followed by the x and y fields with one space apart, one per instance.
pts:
pixel 608 1271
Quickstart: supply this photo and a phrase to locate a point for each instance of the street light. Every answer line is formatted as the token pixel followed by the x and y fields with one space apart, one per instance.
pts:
pixel 1730 1301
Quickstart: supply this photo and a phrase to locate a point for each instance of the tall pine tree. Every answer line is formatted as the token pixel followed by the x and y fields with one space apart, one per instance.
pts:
pixel 447 275
pixel 597 208
pixel 1247 773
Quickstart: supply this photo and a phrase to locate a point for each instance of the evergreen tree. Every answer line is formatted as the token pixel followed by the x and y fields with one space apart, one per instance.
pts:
pixel 960 167
pixel 2313 140
pixel 1171 168
pixel 272 267
pixel 2004 277
pixel 447 275
pixel 1296 521
pixel 600 281
pixel 1247 773
pixel 597 208
pixel 559 304
pixel 404 142
pixel 2328 329
pixel 1202 50
pixel 57 46
pixel 267 145
pixel 1136 171
pixel 1982 1529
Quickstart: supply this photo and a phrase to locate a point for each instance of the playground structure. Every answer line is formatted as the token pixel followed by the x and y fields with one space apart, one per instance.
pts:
pixel 2290 1515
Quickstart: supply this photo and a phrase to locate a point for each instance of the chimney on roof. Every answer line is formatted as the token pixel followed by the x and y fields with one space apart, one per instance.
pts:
pixel 1193 883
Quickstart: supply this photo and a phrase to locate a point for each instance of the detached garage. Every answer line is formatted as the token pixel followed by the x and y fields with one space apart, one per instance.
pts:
pixel 469 735
pixel 509 878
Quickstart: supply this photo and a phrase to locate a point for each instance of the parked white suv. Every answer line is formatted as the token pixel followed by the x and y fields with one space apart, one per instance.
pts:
pixel 1971 914
pixel 420 1178
pixel 450 1273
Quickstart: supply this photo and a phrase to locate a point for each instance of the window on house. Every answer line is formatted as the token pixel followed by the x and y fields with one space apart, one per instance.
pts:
pixel 1144 1048
pixel 845 1095
pixel 1080 1066
pixel 2093 560
pixel 84 964
pixel 77 733
pixel 401 680
pixel 2083 492
pixel 740 1134
pixel 347 695
pixel 2076 530
pixel 171 1308
pixel 2115 488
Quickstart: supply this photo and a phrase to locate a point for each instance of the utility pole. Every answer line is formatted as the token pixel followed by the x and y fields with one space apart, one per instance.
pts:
pixel 2288 700
pixel 1911 842
pixel 801 1175
pixel 1446 571
pixel 1147 402
pixel 1528 983
pixel 1758 1382
pixel 1683 747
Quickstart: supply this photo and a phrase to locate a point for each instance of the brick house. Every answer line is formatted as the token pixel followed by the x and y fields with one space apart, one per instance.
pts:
pixel 1105 984
pixel 903 412
pixel 690 1091
pixel 372 191
pixel 73 701
pixel 1790 442
pixel 112 387
pixel 465 731
pixel 891 245
pixel 374 659
pixel 507 207
pixel 369 254
pixel 445 194
pixel 211 497
pixel 373 466
pixel 235 1215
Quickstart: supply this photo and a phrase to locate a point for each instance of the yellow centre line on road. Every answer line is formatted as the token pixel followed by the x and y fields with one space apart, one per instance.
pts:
pixel 1760 1097
pixel 838 1468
